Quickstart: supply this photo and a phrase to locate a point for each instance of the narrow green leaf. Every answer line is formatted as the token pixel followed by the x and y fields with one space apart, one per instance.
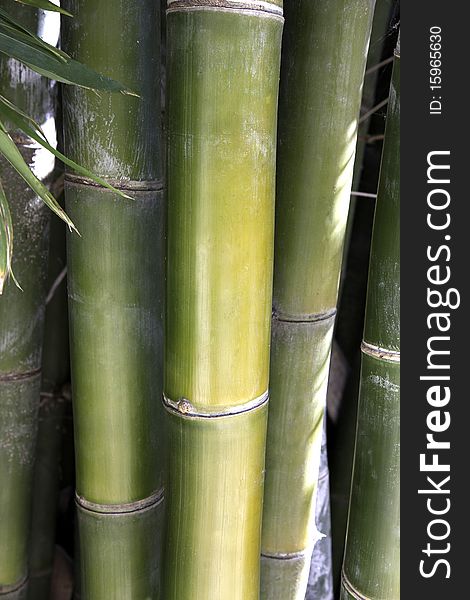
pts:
pixel 11 153
pixel 6 239
pixel 44 63
pixel 13 27
pixel 9 112
pixel 45 5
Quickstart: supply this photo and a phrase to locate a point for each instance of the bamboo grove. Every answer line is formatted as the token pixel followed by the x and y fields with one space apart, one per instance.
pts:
pixel 205 165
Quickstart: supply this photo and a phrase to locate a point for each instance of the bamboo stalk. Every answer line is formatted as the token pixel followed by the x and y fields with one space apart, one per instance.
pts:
pixel 324 56
pixel 55 373
pixel 380 25
pixel 22 319
pixel 45 496
pixel 371 567
pixel 352 296
pixel 223 72
pixel 116 297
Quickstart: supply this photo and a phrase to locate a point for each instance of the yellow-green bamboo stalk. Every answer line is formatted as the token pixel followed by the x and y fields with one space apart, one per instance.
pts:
pixel 371 567
pixel 324 57
pixel 22 315
pixel 223 73
pixel 115 284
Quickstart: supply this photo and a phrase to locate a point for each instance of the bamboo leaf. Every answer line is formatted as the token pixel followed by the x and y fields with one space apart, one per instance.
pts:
pixel 45 62
pixel 45 5
pixel 9 112
pixel 11 153
pixel 13 27
pixel 6 239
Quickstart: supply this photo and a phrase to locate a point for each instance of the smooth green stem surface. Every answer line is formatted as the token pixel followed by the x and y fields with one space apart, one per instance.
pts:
pixel 371 562
pixel 19 401
pixel 300 360
pixel 55 373
pixel 115 285
pixel 115 302
pixel 223 70
pixel 372 557
pixel 45 494
pixel 223 74
pixel 116 136
pixel 22 314
pixel 120 554
pixel 324 55
pixel 351 294
pixel 215 491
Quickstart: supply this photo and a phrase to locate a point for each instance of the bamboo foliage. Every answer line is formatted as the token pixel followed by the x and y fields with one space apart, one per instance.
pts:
pixel 371 567
pixel 324 55
pixel 22 44
pixel 115 286
pixel 223 72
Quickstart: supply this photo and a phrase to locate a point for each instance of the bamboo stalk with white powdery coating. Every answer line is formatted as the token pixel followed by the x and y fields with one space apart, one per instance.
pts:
pixel 223 73
pixel 115 280
pixel 371 567
pixel 324 56
pixel 22 315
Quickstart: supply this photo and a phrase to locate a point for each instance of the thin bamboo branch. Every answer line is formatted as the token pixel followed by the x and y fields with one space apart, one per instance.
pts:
pixel 379 65
pixel 373 110
pixel 56 284
pixel 364 194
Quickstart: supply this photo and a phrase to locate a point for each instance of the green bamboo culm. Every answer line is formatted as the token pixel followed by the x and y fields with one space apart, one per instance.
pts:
pixel 380 24
pixel 371 567
pixel 55 374
pixel 223 72
pixel 115 286
pixel 324 56
pixel 22 312
pixel 351 297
